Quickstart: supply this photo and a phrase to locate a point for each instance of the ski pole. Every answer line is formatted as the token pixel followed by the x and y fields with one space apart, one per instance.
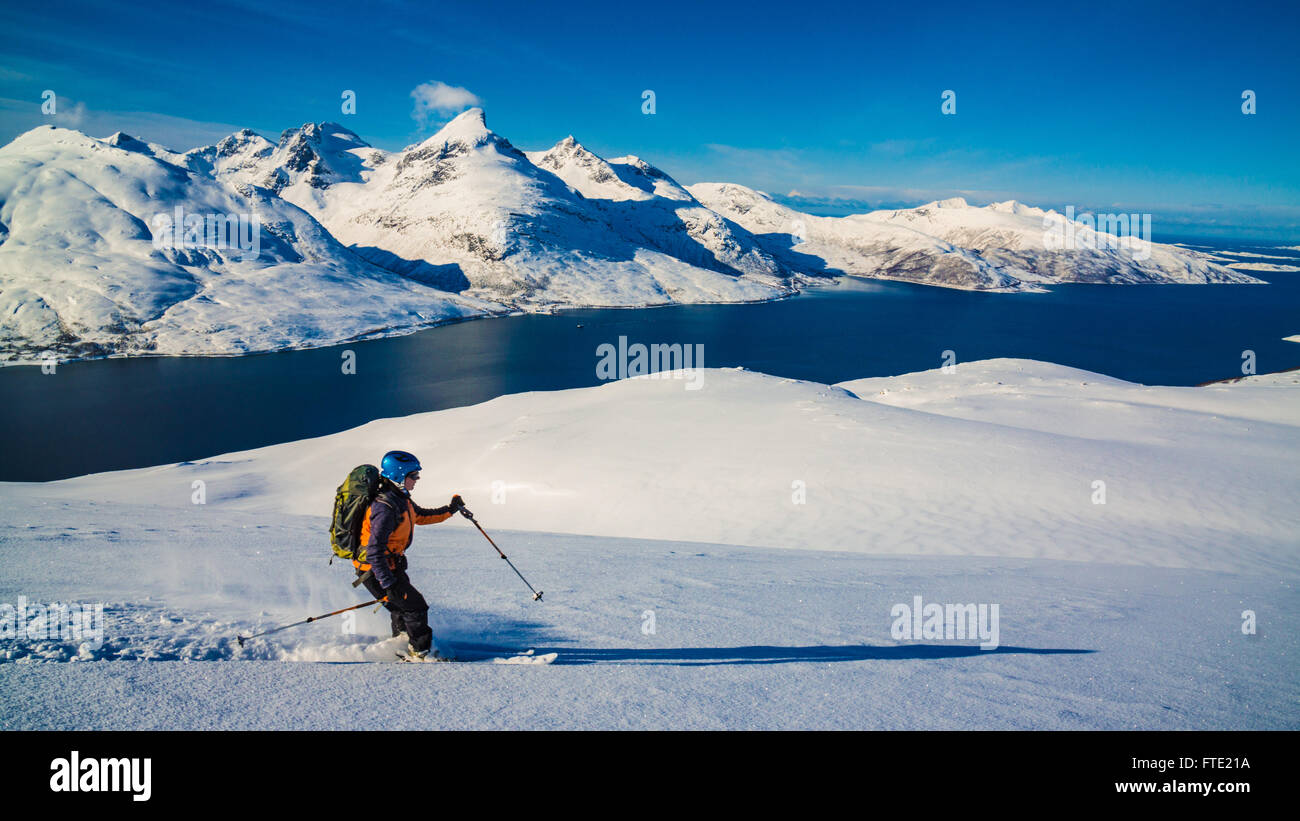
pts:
pixel 243 639
pixel 464 511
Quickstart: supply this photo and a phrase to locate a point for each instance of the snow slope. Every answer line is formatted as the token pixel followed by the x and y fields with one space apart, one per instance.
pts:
pixel 965 487
pixel 745 638
pixel 996 459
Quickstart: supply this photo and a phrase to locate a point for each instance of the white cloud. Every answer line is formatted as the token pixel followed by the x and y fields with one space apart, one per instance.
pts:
pixel 437 100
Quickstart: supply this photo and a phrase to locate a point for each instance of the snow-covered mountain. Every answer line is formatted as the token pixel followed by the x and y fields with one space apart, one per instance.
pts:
pixel 465 209
pixel 357 241
pixel 305 160
pixel 648 207
pixel 1003 246
pixel 1013 236
pixel 82 271
pixel 828 245
pixel 625 178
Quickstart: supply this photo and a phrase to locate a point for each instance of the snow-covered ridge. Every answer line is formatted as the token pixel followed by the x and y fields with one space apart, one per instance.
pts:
pixel 997 458
pixel 357 241
pixel 1003 246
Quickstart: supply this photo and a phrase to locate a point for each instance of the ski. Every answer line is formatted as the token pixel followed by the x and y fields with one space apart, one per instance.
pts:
pixel 431 658
pixel 523 657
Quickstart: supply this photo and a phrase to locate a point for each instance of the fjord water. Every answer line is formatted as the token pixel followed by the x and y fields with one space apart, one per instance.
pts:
pixel 123 413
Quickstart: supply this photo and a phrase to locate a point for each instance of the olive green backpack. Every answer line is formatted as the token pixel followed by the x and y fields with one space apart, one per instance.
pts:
pixel 351 504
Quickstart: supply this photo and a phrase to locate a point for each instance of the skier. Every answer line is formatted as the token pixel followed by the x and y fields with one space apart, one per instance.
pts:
pixel 386 532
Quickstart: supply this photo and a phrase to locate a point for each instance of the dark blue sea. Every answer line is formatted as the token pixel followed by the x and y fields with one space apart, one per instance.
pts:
pixel 123 413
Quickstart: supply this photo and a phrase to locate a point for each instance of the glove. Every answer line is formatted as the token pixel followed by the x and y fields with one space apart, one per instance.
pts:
pixel 394 594
pixel 457 503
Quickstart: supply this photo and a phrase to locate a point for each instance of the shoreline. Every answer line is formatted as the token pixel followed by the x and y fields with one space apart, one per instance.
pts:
pixel 800 290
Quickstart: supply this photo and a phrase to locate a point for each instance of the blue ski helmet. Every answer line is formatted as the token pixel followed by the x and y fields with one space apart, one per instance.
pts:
pixel 397 464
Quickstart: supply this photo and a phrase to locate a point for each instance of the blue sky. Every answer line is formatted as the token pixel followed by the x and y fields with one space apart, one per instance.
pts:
pixel 1108 106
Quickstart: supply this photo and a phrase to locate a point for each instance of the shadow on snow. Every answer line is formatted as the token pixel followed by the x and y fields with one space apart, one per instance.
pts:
pixel 757 654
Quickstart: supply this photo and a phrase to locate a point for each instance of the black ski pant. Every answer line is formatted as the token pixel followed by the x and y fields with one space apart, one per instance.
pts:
pixel 407 609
